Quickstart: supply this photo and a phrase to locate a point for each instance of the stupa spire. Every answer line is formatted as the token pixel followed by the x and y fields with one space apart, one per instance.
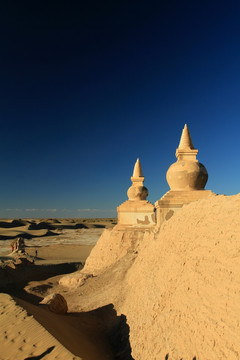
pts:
pixel 186 141
pixel 186 150
pixel 137 171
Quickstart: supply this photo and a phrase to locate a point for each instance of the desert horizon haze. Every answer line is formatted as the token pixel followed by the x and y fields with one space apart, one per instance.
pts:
pixel 87 88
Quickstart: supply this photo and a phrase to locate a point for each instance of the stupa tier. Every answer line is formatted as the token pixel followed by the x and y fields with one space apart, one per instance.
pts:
pixel 186 178
pixel 137 211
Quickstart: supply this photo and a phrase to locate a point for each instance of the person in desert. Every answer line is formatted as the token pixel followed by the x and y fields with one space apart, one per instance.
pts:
pixel 18 245
pixel 14 245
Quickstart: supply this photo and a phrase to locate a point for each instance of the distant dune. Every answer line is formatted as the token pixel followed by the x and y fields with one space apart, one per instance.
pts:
pixel 31 228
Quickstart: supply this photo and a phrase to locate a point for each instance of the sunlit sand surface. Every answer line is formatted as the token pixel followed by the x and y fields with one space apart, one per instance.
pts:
pixel 30 331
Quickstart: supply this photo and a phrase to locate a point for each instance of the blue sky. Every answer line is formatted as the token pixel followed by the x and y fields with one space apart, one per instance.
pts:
pixel 87 87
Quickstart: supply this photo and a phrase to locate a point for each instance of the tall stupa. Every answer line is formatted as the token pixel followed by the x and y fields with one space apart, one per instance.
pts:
pixel 136 211
pixel 186 178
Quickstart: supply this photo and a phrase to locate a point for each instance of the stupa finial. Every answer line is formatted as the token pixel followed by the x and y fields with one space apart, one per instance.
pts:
pixel 186 141
pixel 137 171
pixel 186 150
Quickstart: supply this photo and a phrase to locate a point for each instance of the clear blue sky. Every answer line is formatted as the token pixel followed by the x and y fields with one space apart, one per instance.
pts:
pixel 87 87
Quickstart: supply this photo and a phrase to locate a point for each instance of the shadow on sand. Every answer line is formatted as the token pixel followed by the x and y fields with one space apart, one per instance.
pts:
pixel 167 355
pixel 97 334
pixel 38 357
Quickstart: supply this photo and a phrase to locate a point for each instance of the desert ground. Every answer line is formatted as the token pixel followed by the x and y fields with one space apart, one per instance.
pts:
pixel 28 330
pixel 165 293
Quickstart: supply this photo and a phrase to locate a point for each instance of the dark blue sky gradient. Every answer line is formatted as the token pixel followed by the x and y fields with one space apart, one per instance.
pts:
pixel 87 87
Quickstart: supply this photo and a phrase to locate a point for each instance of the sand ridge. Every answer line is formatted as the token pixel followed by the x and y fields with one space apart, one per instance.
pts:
pixel 30 228
pixel 53 238
pixel 179 288
pixel 22 337
pixel 184 298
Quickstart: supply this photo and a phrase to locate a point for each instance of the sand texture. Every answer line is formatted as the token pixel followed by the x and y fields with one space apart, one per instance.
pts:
pixel 22 337
pixel 175 290
pixel 179 288
pixel 28 331
pixel 112 246
pixel 185 286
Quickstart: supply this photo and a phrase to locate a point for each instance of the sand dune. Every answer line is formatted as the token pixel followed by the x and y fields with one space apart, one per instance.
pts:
pixel 82 335
pixel 32 332
pixel 30 228
pixel 12 223
pixel 22 337
pixel 64 232
pixel 179 289
pixel 185 286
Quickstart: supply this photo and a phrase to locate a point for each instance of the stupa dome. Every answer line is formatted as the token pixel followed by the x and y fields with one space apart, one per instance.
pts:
pixel 187 173
pixel 137 191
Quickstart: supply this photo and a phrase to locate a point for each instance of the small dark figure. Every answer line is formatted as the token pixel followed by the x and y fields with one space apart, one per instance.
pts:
pixel 36 254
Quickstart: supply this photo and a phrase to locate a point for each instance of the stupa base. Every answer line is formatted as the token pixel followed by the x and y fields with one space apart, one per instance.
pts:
pixel 136 214
pixel 173 200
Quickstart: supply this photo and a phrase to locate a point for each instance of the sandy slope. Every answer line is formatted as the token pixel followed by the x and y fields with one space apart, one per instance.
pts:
pixel 47 335
pixel 185 286
pixel 180 288
pixel 22 337
pixel 27 331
